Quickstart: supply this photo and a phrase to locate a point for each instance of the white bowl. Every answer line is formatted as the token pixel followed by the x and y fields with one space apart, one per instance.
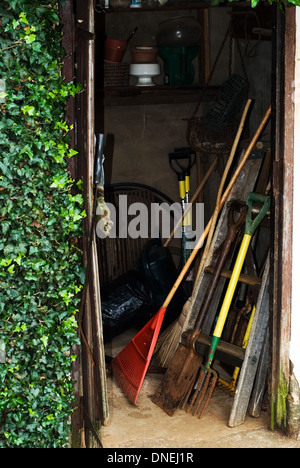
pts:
pixel 144 72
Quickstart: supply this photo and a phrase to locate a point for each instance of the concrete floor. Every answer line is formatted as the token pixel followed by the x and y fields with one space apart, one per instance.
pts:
pixel 147 426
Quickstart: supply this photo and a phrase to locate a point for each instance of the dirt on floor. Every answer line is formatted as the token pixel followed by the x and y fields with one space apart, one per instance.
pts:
pixel 147 426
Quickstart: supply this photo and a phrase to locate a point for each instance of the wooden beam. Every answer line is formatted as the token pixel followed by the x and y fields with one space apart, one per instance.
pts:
pixel 282 204
pixel 243 278
pixel 68 44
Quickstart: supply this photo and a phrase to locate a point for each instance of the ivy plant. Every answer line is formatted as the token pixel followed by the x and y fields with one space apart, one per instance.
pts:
pixel 41 209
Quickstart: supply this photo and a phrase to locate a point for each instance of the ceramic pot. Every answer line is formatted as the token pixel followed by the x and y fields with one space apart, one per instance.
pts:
pixel 144 54
pixel 144 72
pixel 114 50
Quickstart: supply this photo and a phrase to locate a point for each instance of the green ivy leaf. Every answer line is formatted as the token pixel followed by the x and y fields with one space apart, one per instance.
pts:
pixel 30 38
pixel 40 270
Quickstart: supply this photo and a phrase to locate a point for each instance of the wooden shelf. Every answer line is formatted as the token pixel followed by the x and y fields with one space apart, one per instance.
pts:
pixel 135 95
pixel 188 5
pixel 162 94
pixel 180 5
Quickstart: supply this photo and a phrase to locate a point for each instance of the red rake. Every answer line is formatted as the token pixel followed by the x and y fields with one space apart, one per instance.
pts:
pixel 131 364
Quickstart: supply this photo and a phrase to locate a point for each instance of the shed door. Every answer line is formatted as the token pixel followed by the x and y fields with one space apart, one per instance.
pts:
pixel 89 373
pixel 94 377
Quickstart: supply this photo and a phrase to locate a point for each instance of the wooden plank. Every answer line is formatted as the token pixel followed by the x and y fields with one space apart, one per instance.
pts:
pixel 95 399
pixel 135 95
pixel 243 278
pixel 226 352
pixel 256 401
pixel 282 214
pixel 68 43
pixel 171 6
pixel 252 355
pixel 83 147
pixel 203 52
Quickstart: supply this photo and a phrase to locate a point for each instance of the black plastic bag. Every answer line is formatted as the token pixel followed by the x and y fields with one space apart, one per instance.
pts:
pixel 126 302
pixel 158 271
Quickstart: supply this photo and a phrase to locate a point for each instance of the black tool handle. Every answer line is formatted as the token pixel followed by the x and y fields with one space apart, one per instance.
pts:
pixel 183 161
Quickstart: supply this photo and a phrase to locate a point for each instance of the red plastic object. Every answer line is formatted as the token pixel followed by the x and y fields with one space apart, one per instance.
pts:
pixel 131 364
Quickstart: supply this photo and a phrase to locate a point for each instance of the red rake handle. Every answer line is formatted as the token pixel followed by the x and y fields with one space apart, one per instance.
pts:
pixel 146 338
pixel 223 199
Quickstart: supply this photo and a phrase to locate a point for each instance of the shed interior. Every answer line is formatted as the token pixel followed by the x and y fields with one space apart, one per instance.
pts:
pixel 143 126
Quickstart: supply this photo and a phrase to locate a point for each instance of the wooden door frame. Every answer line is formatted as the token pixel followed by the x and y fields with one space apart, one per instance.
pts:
pixel 89 373
pixel 282 215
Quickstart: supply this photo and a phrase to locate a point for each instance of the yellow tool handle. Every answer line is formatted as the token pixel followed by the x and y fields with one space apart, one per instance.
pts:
pixel 194 197
pixel 187 220
pixel 232 285
pixel 231 385
pixel 187 183
pixel 182 189
pixel 248 330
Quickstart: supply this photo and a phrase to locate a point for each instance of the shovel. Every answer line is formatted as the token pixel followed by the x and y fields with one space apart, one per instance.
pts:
pixel 207 380
pixel 181 162
pixel 131 364
pixel 185 364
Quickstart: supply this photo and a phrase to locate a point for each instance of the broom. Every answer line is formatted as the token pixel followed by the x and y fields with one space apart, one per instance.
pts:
pixel 169 339
pixel 167 345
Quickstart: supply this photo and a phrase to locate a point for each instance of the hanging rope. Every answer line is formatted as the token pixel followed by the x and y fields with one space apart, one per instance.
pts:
pixel 231 34
pixel 212 72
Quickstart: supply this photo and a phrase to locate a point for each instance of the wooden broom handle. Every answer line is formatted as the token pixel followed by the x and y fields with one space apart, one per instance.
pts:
pixel 224 197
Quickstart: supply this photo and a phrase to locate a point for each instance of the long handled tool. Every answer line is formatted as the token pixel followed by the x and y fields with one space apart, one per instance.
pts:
pixel 231 386
pixel 98 183
pixel 208 377
pixel 184 366
pixel 131 364
pixel 181 162
pixel 192 200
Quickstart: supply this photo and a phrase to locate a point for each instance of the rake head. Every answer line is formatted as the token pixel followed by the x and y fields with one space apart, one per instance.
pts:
pixel 129 369
pixel 131 364
pixel 200 392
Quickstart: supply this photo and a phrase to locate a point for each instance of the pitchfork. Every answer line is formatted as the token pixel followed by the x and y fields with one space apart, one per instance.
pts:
pixel 200 392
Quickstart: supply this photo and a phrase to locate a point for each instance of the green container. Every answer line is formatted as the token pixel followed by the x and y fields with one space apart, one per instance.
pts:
pixel 178 67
